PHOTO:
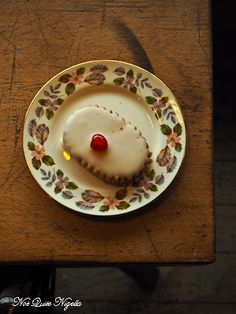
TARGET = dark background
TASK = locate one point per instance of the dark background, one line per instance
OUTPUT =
(224, 71)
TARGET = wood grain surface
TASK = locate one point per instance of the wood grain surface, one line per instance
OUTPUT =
(170, 38)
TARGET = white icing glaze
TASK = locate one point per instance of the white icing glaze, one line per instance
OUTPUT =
(127, 150)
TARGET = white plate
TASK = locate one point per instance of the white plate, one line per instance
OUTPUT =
(135, 94)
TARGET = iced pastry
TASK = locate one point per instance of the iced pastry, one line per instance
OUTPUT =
(106, 144)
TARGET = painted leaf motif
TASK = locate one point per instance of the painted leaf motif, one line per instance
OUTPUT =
(59, 173)
(64, 78)
(153, 187)
(171, 164)
(44, 178)
(91, 196)
(84, 205)
(157, 92)
(95, 78)
(173, 118)
(43, 172)
(165, 129)
(130, 73)
(133, 89)
(148, 85)
(139, 75)
(146, 195)
(39, 112)
(133, 199)
(164, 99)
(67, 195)
(118, 81)
(59, 101)
(31, 146)
(80, 71)
(178, 129)
(49, 114)
(123, 205)
(103, 208)
(36, 163)
(159, 179)
(120, 71)
(165, 111)
(70, 88)
(42, 133)
(164, 156)
(151, 174)
(140, 191)
(46, 93)
(57, 189)
(121, 194)
(53, 178)
(178, 147)
(57, 86)
(71, 186)
(42, 102)
(99, 68)
(150, 100)
(32, 127)
(54, 89)
(48, 160)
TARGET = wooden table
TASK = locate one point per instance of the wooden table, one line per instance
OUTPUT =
(170, 38)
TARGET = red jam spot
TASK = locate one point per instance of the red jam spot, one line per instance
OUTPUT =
(98, 143)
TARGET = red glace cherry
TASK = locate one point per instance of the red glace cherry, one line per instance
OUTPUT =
(98, 143)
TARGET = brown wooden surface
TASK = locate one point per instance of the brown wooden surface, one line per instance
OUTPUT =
(41, 38)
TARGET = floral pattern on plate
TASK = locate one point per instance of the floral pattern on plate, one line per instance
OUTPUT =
(52, 98)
